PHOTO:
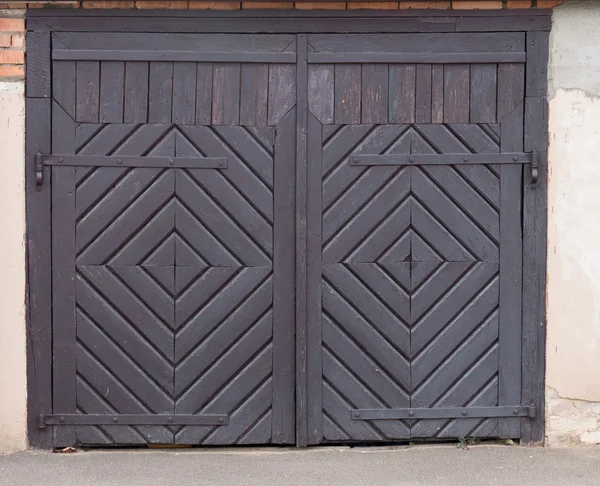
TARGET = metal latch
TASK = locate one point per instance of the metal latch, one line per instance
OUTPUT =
(535, 160)
(39, 171)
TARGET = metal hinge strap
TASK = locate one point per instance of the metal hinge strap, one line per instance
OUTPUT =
(535, 160)
(132, 419)
(442, 413)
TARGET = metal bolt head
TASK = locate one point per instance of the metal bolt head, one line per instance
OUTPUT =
(221, 420)
(115, 419)
(62, 419)
(60, 160)
(464, 412)
(171, 160)
(357, 414)
(170, 420)
(411, 414)
(515, 158)
(515, 411)
(466, 159)
(119, 161)
(221, 164)
(411, 159)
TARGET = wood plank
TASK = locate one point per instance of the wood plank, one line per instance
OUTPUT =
(254, 96)
(483, 93)
(88, 91)
(112, 86)
(347, 93)
(423, 94)
(283, 413)
(437, 94)
(321, 92)
(313, 285)
(375, 93)
(160, 98)
(136, 92)
(39, 277)
(184, 93)
(204, 83)
(537, 64)
(282, 91)
(410, 57)
(534, 270)
(301, 243)
(226, 94)
(402, 93)
(63, 300)
(511, 88)
(456, 93)
(184, 56)
(63, 85)
(38, 65)
(511, 273)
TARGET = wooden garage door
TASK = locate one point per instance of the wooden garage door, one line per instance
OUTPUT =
(414, 237)
(172, 274)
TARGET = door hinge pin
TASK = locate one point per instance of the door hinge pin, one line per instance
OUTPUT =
(39, 171)
(41, 421)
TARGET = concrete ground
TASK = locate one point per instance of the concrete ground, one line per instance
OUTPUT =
(417, 465)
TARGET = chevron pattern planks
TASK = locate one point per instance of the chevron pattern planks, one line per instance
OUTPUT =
(174, 284)
(410, 280)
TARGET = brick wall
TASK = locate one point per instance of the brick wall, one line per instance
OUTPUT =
(12, 37)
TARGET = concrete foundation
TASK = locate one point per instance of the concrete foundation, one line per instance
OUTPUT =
(573, 364)
(13, 383)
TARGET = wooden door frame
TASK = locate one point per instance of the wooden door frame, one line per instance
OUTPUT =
(41, 23)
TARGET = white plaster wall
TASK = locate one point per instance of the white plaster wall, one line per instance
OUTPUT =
(13, 391)
(573, 293)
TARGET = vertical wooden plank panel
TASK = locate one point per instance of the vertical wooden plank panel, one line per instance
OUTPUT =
(437, 93)
(320, 91)
(112, 81)
(38, 64)
(184, 93)
(402, 93)
(283, 420)
(39, 304)
(204, 82)
(136, 92)
(63, 85)
(534, 269)
(301, 279)
(226, 94)
(64, 396)
(255, 91)
(314, 337)
(511, 273)
(423, 94)
(456, 93)
(88, 91)
(511, 88)
(374, 93)
(483, 93)
(347, 93)
(160, 98)
(537, 62)
(282, 91)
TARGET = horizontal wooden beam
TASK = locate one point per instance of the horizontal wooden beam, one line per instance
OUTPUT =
(418, 57)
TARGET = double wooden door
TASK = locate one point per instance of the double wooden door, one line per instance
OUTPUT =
(286, 238)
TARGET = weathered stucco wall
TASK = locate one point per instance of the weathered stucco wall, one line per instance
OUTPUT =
(573, 352)
(12, 268)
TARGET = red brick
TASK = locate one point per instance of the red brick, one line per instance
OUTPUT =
(265, 5)
(477, 5)
(12, 57)
(321, 6)
(424, 5)
(172, 5)
(549, 3)
(18, 40)
(12, 71)
(12, 25)
(518, 4)
(4, 40)
(373, 5)
(108, 4)
(214, 5)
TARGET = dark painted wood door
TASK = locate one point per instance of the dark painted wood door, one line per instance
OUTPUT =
(172, 269)
(415, 232)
